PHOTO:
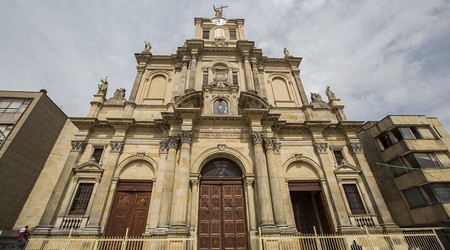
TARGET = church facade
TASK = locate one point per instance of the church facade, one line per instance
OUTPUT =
(216, 141)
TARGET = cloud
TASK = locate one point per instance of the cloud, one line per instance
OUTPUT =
(380, 57)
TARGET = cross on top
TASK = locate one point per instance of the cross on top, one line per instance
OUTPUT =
(219, 10)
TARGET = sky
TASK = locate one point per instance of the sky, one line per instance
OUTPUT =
(380, 57)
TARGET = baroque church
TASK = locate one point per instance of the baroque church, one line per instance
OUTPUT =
(215, 141)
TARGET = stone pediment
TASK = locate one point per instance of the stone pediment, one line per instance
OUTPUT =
(90, 166)
(250, 101)
(346, 168)
(190, 100)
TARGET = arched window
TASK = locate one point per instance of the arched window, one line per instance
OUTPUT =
(221, 167)
(220, 107)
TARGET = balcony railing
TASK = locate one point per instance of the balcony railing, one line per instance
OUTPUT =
(363, 221)
(71, 222)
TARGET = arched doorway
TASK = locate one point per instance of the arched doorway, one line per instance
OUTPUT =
(222, 215)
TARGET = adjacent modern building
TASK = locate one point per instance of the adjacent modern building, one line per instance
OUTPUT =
(215, 141)
(30, 124)
(409, 156)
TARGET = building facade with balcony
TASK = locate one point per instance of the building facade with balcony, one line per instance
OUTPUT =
(30, 124)
(215, 141)
(409, 156)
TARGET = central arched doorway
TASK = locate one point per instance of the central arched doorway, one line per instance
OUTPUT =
(222, 215)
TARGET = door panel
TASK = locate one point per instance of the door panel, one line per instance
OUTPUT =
(222, 221)
(129, 210)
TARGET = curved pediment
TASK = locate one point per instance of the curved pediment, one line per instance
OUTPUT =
(190, 100)
(90, 166)
(249, 100)
(346, 168)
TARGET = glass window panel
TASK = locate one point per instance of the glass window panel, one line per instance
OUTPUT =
(414, 197)
(354, 199)
(221, 167)
(4, 103)
(232, 34)
(438, 192)
(220, 107)
(81, 199)
(407, 133)
(338, 156)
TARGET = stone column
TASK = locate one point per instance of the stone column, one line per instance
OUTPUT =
(137, 82)
(372, 186)
(182, 84)
(255, 77)
(98, 205)
(157, 190)
(301, 89)
(248, 75)
(178, 216)
(54, 203)
(193, 69)
(167, 189)
(262, 184)
(251, 204)
(341, 216)
(275, 189)
(194, 207)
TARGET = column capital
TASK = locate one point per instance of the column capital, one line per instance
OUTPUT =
(185, 63)
(163, 147)
(78, 145)
(321, 147)
(357, 148)
(249, 182)
(246, 58)
(296, 72)
(268, 143)
(194, 57)
(173, 142)
(140, 68)
(186, 136)
(194, 182)
(257, 137)
(116, 146)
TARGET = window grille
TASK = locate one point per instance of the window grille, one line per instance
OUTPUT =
(81, 199)
(354, 199)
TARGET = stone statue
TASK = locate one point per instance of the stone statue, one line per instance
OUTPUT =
(286, 53)
(147, 47)
(103, 87)
(330, 93)
(315, 97)
(218, 11)
(119, 94)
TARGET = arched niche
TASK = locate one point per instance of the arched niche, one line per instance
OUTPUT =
(220, 168)
(303, 168)
(138, 169)
(222, 151)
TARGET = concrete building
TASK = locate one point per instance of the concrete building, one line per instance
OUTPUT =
(30, 123)
(214, 141)
(409, 156)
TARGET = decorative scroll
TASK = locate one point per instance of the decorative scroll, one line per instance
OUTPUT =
(78, 145)
(321, 147)
(116, 146)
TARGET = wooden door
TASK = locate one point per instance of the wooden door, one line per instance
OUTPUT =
(130, 209)
(222, 220)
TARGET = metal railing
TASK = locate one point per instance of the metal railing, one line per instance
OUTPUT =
(414, 240)
(407, 240)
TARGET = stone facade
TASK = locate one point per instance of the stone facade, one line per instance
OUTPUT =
(215, 141)
(409, 156)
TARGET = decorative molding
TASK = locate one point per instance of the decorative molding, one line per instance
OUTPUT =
(116, 146)
(321, 147)
(140, 155)
(173, 142)
(249, 182)
(75, 179)
(78, 145)
(298, 156)
(276, 147)
(357, 148)
(257, 137)
(98, 179)
(221, 147)
(186, 136)
(194, 183)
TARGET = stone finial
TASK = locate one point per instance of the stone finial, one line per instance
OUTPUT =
(330, 93)
(147, 47)
(286, 53)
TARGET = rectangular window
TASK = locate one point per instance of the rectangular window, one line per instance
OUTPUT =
(438, 192)
(406, 133)
(354, 199)
(384, 141)
(205, 34)
(423, 160)
(97, 154)
(414, 197)
(13, 105)
(5, 129)
(338, 156)
(205, 78)
(235, 78)
(233, 34)
(81, 199)
(397, 167)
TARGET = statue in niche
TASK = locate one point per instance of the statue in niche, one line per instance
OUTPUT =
(220, 78)
(103, 86)
(330, 93)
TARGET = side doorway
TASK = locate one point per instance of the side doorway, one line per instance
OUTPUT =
(130, 208)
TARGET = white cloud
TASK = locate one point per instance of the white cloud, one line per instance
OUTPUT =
(380, 57)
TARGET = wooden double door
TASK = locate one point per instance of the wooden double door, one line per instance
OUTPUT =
(130, 208)
(222, 215)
